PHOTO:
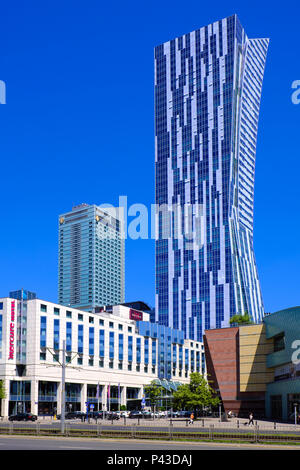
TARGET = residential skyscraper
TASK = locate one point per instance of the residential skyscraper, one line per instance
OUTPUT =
(207, 98)
(91, 257)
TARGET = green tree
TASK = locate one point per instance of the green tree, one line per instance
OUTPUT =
(2, 392)
(196, 395)
(153, 393)
(241, 319)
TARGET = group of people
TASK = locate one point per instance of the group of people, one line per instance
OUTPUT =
(230, 414)
(251, 417)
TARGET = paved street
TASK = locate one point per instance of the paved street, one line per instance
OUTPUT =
(114, 445)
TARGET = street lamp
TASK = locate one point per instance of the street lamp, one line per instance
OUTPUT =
(295, 411)
(63, 389)
(63, 365)
(220, 405)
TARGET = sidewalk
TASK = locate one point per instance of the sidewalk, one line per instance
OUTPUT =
(232, 423)
(243, 423)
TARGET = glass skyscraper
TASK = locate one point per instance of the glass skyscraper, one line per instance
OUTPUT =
(207, 98)
(91, 257)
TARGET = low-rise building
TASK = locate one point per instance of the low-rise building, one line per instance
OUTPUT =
(283, 392)
(256, 368)
(110, 356)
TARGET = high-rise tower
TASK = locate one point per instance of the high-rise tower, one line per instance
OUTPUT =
(207, 97)
(91, 257)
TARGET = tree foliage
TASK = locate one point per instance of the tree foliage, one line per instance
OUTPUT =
(2, 390)
(196, 395)
(153, 392)
(241, 319)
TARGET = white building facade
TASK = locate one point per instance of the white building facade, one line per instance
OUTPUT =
(109, 356)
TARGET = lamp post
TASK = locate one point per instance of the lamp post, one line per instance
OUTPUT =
(97, 395)
(220, 405)
(63, 382)
(63, 388)
(295, 412)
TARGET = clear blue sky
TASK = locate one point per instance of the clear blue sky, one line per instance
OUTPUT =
(78, 127)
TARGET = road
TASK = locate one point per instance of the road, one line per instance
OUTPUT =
(12, 443)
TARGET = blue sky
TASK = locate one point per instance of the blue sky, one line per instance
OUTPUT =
(78, 127)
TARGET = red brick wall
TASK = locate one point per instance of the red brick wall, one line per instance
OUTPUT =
(223, 369)
(221, 349)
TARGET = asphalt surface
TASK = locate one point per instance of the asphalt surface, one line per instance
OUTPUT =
(25, 443)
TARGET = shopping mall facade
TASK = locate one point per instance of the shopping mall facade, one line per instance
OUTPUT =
(256, 368)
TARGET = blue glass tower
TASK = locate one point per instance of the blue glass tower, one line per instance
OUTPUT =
(207, 97)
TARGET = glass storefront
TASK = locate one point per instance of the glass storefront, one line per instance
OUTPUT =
(92, 397)
(276, 406)
(19, 397)
(293, 402)
(47, 398)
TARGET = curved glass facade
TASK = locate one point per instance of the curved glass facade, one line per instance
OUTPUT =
(207, 97)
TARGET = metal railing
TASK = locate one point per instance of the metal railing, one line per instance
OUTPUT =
(165, 429)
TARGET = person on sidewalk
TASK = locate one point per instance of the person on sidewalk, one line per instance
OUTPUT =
(191, 419)
(251, 419)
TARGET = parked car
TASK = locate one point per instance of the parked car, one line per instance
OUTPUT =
(135, 414)
(173, 414)
(96, 414)
(23, 417)
(104, 414)
(78, 414)
(112, 415)
(72, 415)
(140, 414)
(184, 414)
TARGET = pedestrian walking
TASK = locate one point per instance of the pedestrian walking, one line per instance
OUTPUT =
(251, 419)
(191, 419)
